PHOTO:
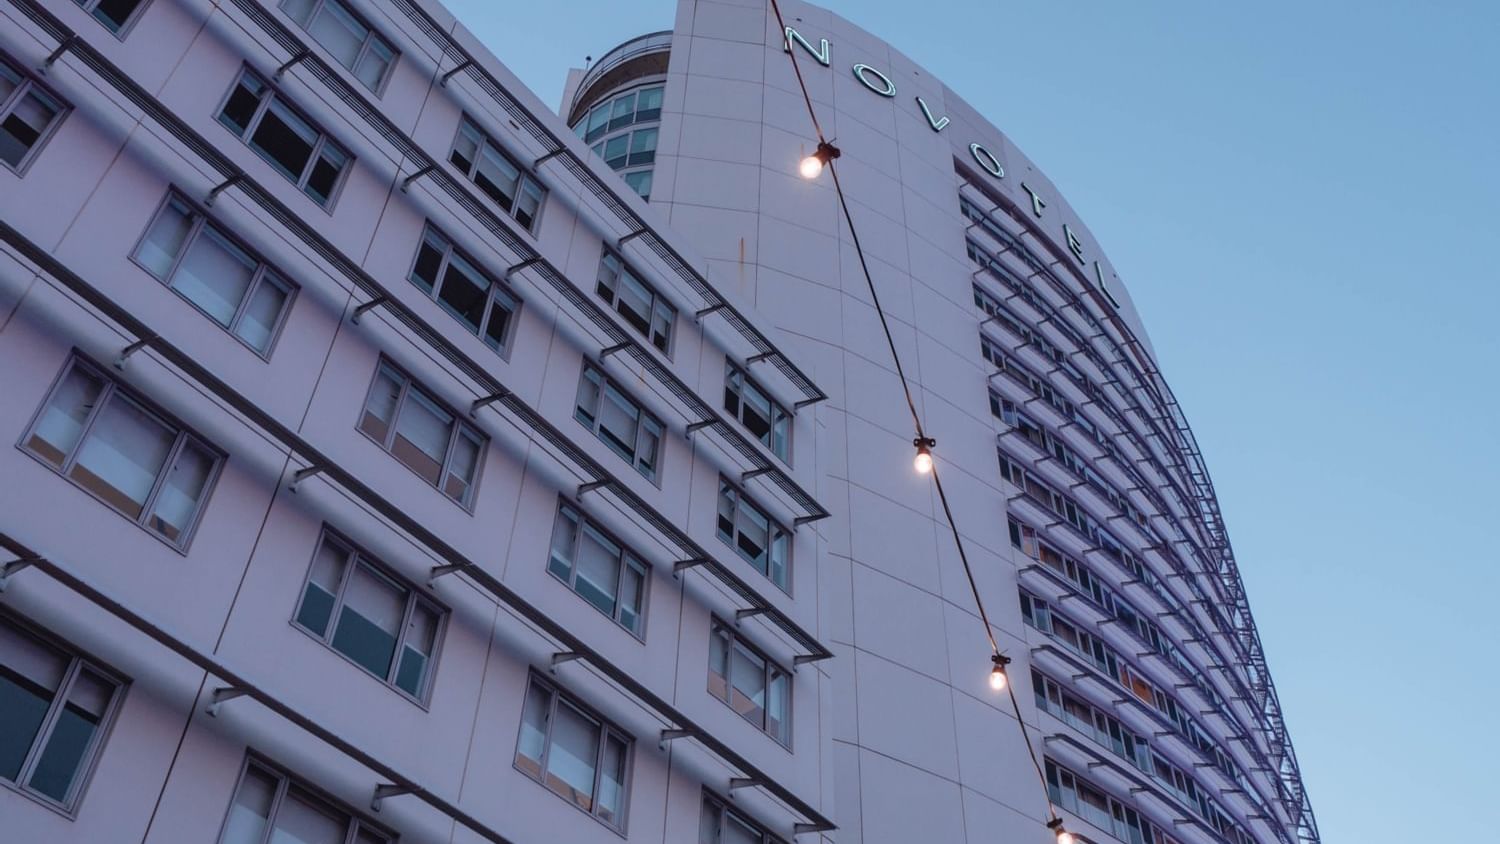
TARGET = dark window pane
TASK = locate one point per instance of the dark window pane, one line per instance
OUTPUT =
(497, 324)
(325, 173)
(464, 292)
(416, 651)
(429, 261)
(285, 139)
(242, 104)
(24, 126)
(63, 756)
(114, 13)
(370, 621)
(322, 587)
(30, 672)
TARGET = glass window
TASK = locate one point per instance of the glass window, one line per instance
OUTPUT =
(721, 824)
(301, 151)
(601, 570)
(125, 454)
(618, 421)
(640, 182)
(28, 112)
(114, 14)
(483, 162)
(351, 41)
(576, 755)
(642, 147)
(485, 307)
(223, 280)
(424, 435)
(272, 808)
(761, 415)
(636, 301)
(54, 706)
(754, 686)
(745, 527)
(380, 622)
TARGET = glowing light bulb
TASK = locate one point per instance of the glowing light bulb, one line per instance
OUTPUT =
(997, 679)
(812, 165)
(1065, 837)
(923, 461)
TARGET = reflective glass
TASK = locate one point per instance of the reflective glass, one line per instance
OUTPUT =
(61, 423)
(123, 455)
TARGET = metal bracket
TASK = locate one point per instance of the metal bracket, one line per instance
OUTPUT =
(515, 268)
(803, 659)
(609, 350)
(221, 694)
(751, 612)
(221, 187)
(290, 63)
(805, 402)
(671, 735)
(13, 567)
(698, 426)
(303, 474)
(632, 236)
(132, 349)
(564, 656)
(755, 473)
(56, 54)
(450, 74)
(703, 312)
(803, 828)
(367, 307)
(406, 182)
(388, 790)
(802, 520)
(683, 565)
(754, 359)
(487, 400)
(736, 783)
(439, 571)
(549, 156)
(591, 486)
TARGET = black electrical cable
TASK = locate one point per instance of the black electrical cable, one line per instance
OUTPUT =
(911, 405)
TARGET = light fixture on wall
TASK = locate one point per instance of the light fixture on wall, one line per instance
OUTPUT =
(923, 461)
(998, 679)
(814, 164)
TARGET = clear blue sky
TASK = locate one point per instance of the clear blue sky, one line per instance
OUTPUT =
(1304, 200)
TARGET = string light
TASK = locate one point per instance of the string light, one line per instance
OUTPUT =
(813, 165)
(997, 674)
(923, 461)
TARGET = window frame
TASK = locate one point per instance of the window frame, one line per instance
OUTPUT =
(285, 779)
(88, 7)
(524, 174)
(496, 288)
(364, 48)
(273, 93)
(7, 106)
(721, 808)
(558, 696)
(741, 499)
(415, 596)
(658, 302)
(642, 415)
(718, 626)
(627, 555)
(408, 383)
(731, 369)
(201, 220)
(77, 661)
(181, 438)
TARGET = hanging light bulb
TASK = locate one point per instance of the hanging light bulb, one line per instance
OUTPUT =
(813, 164)
(1063, 836)
(923, 461)
(998, 680)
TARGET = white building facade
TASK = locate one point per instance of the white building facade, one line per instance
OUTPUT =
(397, 460)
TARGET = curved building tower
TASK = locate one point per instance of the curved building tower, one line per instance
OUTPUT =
(1084, 504)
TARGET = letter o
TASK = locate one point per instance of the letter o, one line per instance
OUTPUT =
(889, 90)
(987, 160)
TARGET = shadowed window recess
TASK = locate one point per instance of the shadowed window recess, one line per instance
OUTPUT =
(483, 162)
(745, 527)
(54, 711)
(761, 415)
(599, 568)
(379, 621)
(754, 686)
(617, 420)
(292, 144)
(272, 808)
(410, 424)
(124, 453)
(351, 41)
(206, 266)
(486, 307)
(577, 755)
(28, 114)
(635, 300)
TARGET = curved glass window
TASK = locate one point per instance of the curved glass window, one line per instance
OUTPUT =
(617, 131)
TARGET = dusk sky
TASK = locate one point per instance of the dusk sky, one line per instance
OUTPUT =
(1303, 199)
